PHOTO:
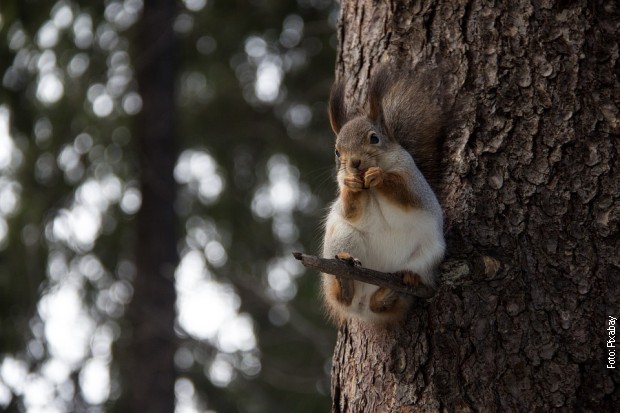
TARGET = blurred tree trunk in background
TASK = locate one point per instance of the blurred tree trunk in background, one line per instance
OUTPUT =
(75, 150)
(532, 208)
(149, 372)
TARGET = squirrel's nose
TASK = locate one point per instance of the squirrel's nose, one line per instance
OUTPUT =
(355, 163)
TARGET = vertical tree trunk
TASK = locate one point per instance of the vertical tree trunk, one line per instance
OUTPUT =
(149, 372)
(532, 191)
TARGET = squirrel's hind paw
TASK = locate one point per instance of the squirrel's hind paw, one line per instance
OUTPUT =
(411, 278)
(383, 300)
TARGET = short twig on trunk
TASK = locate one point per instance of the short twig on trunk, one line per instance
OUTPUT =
(346, 269)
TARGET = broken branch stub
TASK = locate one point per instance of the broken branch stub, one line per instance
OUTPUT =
(347, 269)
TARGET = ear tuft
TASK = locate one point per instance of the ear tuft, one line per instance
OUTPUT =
(379, 85)
(337, 108)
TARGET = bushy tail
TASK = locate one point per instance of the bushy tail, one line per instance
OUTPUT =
(412, 110)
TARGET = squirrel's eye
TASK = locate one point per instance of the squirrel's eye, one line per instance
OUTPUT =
(337, 153)
(374, 139)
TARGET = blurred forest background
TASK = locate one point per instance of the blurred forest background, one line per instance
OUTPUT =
(253, 171)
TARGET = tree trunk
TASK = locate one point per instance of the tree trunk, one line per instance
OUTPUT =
(531, 198)
(148, 367)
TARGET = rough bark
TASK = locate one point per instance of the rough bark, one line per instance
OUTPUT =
(148, 365)
(532, 187)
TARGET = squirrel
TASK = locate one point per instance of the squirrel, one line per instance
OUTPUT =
(386, 215)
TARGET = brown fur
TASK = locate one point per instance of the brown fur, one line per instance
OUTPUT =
(391, 185)
(411, 278)
(396, 190)
(391, 306)
(353, 203)
(343, 290)
(340, 291)
(383, 300)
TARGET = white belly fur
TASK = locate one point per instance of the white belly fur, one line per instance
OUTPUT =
(397, 239)
(389, 239)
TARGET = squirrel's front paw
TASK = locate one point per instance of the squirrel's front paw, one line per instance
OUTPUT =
(349, 259)
(354, 182)
(373, 177)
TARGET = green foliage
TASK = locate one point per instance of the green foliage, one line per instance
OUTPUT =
(253, 175)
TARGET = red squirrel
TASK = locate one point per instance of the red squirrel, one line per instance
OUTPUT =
(386, 216)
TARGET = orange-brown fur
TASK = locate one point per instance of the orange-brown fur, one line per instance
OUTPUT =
(344, 290)
(411, 278)
(395, 189)
(391, 185)
(353, 203)
(390, 305)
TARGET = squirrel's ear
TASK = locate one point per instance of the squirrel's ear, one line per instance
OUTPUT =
(378, 87)
(337, 108)
(381, 97)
